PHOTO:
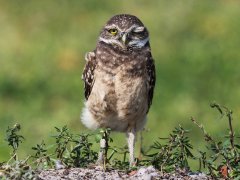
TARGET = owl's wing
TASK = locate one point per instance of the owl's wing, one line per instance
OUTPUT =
(150, 80)
(88, 73)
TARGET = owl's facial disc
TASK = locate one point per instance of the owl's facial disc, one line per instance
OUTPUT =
(133, 37)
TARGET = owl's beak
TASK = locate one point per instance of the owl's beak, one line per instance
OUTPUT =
(124, 38)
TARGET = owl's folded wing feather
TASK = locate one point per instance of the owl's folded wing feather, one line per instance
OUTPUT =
(151, 80)
(88, 73)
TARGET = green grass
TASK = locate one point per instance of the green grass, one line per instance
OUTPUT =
(42, 45)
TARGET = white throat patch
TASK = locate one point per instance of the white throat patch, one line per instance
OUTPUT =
(111, 41)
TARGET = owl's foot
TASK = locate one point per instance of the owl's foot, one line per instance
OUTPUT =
(132, 165)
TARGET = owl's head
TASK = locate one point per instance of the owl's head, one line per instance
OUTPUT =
(125, 31)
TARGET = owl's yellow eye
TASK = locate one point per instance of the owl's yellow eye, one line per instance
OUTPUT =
(113, 31)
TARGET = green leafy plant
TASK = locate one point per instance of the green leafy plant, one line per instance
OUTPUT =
(174, 153)
(73, 150)
(221, 160)
(42, 158)
(15, 168)
(122, 164)
(81, 154)
(14, 139)
(225, 158)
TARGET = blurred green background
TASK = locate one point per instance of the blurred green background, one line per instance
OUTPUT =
(196, 46)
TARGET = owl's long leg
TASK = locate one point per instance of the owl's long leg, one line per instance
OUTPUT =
(101, 153)
(131, 136)
(102, 156)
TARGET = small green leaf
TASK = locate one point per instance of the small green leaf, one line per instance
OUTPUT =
(98, 137)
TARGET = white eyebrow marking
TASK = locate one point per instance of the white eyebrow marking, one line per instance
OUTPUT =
(138, 29)
(129, 29)
(112, 27)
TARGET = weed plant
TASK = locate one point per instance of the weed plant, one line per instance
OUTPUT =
(170, 154)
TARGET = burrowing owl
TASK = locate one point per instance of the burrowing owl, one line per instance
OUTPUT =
(119, 78)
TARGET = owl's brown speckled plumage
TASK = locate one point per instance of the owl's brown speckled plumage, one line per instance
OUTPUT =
(119, 78)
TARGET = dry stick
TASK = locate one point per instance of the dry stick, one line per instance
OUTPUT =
(230, 119)
(14, 156)
(40, 159)
(229, 115)
(206, 135)
(168, 150)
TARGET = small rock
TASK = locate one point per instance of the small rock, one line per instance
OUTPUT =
(59, 164)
